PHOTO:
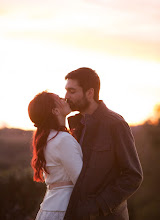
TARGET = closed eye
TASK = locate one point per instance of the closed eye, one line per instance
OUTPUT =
(71, 90)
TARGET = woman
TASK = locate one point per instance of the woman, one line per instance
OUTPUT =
(57, 156)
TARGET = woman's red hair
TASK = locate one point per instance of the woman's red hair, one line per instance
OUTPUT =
(40, 113)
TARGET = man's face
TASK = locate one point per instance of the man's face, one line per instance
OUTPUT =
(75, 96)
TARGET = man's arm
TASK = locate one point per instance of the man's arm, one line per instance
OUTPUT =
(130, 176)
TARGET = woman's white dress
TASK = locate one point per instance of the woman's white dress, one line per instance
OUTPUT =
(64, 162)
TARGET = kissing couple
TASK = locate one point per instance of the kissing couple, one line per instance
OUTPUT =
(91, 169)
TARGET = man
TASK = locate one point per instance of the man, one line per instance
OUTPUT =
(111, 170)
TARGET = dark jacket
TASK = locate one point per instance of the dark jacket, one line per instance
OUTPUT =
(111, 170)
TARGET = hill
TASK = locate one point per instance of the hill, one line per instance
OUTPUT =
(15, 148)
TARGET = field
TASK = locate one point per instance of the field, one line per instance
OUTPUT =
(20, 196)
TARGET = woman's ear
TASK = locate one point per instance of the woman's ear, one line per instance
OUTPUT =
(55, 111)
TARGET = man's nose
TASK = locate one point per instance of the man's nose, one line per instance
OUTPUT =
(66, 95)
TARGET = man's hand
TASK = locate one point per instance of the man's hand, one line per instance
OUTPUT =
(87, 210)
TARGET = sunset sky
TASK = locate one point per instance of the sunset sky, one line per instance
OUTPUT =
(41, 41)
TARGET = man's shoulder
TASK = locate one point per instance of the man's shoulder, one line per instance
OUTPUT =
(114, 120)
(74, 119)
(114, 116)
(109, 115)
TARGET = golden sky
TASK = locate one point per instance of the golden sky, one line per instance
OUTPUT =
(41, 41)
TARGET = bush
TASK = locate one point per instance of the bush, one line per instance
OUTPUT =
(20, 196)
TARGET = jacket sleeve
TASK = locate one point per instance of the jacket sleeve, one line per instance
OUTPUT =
(130, 176)
(70, 155)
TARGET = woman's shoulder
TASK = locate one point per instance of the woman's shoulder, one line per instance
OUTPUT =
(66, 139)
(66, 136)
(58, 136)
(56, 139)
(62, 142)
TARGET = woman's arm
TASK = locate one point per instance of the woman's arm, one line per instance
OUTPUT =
(71, 156)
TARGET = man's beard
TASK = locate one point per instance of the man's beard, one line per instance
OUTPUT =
(80, 106)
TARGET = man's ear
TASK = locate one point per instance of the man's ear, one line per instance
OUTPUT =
(90, 93)
(55, 111)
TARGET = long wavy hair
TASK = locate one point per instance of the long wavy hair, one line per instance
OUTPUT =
(40, 113)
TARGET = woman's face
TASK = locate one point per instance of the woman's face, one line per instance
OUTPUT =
(62, 105)
(65, 110)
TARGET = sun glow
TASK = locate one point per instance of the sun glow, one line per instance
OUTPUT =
(30, 67)
(40, 45)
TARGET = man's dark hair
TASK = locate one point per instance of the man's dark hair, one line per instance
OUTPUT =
(87, 78)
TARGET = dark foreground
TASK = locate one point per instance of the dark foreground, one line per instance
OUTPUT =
(20, 196)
